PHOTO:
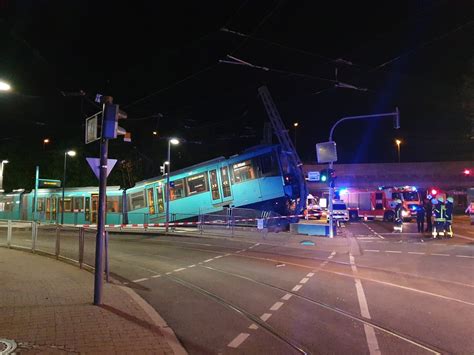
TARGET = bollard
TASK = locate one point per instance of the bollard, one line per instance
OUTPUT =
(34, 236)
(9, 233)
(58, 241)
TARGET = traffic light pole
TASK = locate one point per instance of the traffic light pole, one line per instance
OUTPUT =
(396, 124)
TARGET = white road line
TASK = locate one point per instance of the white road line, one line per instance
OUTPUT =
(193, 265)
(156, 276)
(276, 306)
(311, 274)
(378, 235)
(364, 311)
(304, 280)
(253, 326)
(296, 288)
(257, 244)
(393, 251)
(333, 253)
(436, 254)
(324, 264)
(218, 257)
(287, 296)
(141, 280)
(206, 261)
(462, 236)
(227, 254)
(238, 251)
(372, 250)
(465, 256)
(265, 316)
(180, 269)
(168, 273)
(416, 253)
(239, 339)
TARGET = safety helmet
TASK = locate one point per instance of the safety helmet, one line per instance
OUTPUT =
(434, 201)
(450, 199)
(397, 200)
(441, 199)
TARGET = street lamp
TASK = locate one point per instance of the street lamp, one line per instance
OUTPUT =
(1, 172)
(398, 142)
(71, 153)
(295, 125)
(45, 141)
(173, 141)
(4, 86)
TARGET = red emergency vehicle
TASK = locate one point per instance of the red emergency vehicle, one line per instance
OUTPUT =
(378, 204)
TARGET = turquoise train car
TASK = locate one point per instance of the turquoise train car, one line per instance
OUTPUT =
(258, 178)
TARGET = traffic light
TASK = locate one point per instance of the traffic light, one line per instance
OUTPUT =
(323, 175)
(110, 127)
(328, 176)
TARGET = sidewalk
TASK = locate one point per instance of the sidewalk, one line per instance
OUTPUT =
(46, 308)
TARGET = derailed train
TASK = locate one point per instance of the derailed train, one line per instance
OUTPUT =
(258, 178)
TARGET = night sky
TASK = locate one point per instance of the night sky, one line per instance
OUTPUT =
(160, 62)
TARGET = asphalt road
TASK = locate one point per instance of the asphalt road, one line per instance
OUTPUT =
(387, 293)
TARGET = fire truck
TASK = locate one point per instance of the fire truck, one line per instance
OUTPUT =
(378, 204)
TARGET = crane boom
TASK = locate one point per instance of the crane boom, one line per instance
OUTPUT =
(294, 162)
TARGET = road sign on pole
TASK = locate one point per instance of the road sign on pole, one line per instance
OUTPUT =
(94, 163)
(92, 128)
(326, 152)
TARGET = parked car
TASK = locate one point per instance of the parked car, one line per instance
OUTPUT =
(340, 212)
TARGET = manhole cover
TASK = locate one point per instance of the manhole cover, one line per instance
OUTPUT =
(7, 346)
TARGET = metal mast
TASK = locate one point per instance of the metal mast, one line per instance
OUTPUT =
(295, 164)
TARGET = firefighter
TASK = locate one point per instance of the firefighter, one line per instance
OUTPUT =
(420, 218)
(429, 214)
(438, 214)
(448, 225)
(398, 216)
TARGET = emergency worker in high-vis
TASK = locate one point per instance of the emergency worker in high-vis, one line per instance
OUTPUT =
(448, 225)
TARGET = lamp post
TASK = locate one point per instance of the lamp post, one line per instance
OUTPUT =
(295, 125)
(173, 141)
(398, 142)
(45, 141)
(4, 86)
(1, 172)
(71, 153)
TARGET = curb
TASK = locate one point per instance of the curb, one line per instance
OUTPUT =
(168, 333)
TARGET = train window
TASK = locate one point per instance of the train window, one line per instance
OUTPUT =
(67, 204)
(136, 200)
(78, 204)
(40, 204)
(161, 201)
(114, 203)
(177, 189)
(243, 171)
(87, 209)
(8, 204)
(197, 184)
(268, 165)
(225, 181)
(151, 200)
(214, 185)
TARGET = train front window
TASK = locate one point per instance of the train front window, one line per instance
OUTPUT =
(197, 184)
(268, 165)
(225, 181)
(67, 204)
(177, 190)
(243, 171)
(410, 196)
(137, 200)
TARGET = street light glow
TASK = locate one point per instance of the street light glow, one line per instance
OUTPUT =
(174, 141)
(46, 140)
(4, 86)
(296, 124)
(71, 153)
(166, 163)
(5, 161)
(398, 141)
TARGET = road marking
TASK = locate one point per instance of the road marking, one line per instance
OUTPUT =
(238, 251)
(372, 250)
(416, 253)
(206, 261)
(304, 280)
(332, 255)
(393, 251)
(227, 254)
(193, 265)
(364, 311)
(311, 274)
(265, 316)
(287, 296)
(296, 288)
(156, 276)
(276, 306)
(180, 269)
(168, 273)
(218, 257)
(141, 280)
(239, 339)
(462, 236)
(253, 326)
(436, 254)
(465, 256)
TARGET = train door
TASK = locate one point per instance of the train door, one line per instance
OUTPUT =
(160, 200)
(151, 203)
(225, 184)
(216, 193)
(51, 213)
(94, 208)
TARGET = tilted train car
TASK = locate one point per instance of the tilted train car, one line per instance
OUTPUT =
(256, 179)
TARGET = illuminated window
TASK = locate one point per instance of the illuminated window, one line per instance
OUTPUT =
(243, 171)
(40, 204)
(225, 181)
(197, 184)
(177, 189)
(161, 201)
(214, 185)
(78, 204)
(151, 201)
(67, 204)
(114, 203)
(136, 200)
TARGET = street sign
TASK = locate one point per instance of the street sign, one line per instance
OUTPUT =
(92, 128)
(326, 152)
(94, 163)
(48, 183)
(313, 176)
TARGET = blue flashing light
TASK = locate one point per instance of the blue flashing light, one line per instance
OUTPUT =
(343, 191)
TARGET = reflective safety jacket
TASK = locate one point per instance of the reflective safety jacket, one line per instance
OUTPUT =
(449, 211)
(398, 213)
(439, 213)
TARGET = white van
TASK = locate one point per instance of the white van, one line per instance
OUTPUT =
(340, 212)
